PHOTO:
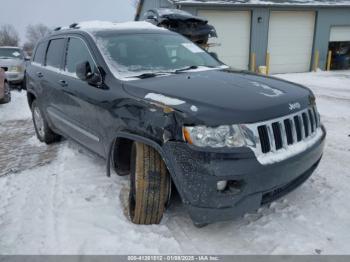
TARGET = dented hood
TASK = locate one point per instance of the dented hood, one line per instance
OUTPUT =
(223, 97)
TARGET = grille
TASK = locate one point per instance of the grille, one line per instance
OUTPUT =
(279, 134)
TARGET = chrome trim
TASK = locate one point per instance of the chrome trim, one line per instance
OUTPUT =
(250, 131)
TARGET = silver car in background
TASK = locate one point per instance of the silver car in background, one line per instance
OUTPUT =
(13, 62)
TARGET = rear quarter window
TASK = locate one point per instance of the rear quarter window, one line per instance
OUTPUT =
(54, 56)
(40, 52)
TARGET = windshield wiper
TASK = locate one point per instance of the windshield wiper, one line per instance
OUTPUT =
(186, 69)
(148, 75)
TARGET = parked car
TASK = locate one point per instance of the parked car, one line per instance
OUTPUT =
(13, 61)
(162, 110)
(5, 93)
(193, 27)
(341, 55)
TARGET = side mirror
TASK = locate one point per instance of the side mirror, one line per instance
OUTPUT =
(87, 74)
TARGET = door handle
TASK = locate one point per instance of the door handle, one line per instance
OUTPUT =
(39, 74)
(63, 83)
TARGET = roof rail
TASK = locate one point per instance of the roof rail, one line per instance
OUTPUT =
(74, 25)
(57, 28)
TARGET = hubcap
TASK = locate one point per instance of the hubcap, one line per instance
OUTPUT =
(39, 122)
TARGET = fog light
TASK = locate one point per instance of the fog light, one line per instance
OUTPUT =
(221, 185)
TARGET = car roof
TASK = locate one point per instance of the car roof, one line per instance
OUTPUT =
(104, 26)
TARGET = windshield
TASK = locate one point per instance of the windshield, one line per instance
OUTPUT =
(131, 55)
(11, 53)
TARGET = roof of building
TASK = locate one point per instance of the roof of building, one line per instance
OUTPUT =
(328, 3)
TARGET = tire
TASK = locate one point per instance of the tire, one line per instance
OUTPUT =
(24, 83)
(42, 129)
(7, 97)
(149, 185)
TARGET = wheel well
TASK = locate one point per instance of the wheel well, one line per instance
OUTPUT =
(122, 155)
(30, 97)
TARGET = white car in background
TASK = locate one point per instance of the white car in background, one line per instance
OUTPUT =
(13, 62)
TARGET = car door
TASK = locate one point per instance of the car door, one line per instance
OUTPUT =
(49, 76)
(79, 104)
(34, 71)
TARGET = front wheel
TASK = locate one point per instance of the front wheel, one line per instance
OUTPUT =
(149, 185)
(42, 129)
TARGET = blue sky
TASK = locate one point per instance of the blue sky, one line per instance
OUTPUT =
(55, 13)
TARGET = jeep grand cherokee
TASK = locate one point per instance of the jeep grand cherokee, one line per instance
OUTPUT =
(160, 109)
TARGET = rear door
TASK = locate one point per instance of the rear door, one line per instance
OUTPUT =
(34, 72)
(50, 76)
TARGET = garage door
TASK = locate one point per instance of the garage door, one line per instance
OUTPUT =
(340, 34)
(233, 30)
(290, 41)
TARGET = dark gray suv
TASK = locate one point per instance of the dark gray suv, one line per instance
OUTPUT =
(163, 111)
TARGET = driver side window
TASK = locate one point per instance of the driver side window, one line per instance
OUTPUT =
(77, 53)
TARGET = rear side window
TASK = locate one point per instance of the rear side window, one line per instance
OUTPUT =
(39, 56)
(77, 53)
(55, 53)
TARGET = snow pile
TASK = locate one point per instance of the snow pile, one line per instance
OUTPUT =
(12, 110)
(267, 2)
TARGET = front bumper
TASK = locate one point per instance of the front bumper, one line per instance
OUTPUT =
(196, 173)
(15, 77)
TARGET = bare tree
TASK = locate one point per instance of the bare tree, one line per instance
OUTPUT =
(8, 35)
(34, 34)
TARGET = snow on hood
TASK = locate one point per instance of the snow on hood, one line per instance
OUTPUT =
(267, 2)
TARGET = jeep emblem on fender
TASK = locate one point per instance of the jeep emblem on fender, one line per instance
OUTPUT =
(294, 106)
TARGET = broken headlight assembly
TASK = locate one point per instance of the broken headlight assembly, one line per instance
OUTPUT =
(229, 136)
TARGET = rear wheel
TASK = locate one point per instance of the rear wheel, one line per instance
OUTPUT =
(7, 94)
(149, 185)
(42, 129)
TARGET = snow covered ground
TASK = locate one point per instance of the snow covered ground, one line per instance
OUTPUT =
(68, 205)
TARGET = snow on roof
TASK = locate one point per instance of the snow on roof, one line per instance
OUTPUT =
(105, 25)
(268, 2)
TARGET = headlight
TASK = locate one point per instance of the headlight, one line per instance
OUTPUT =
(15, 69)
(222, 136)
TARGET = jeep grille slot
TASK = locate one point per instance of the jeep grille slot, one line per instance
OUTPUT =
(289, 133)
(264, 139)
(298, 128)
(277, 135)
(281, 133)
(306, 124)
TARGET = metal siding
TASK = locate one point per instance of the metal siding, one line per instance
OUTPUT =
(259, 35)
